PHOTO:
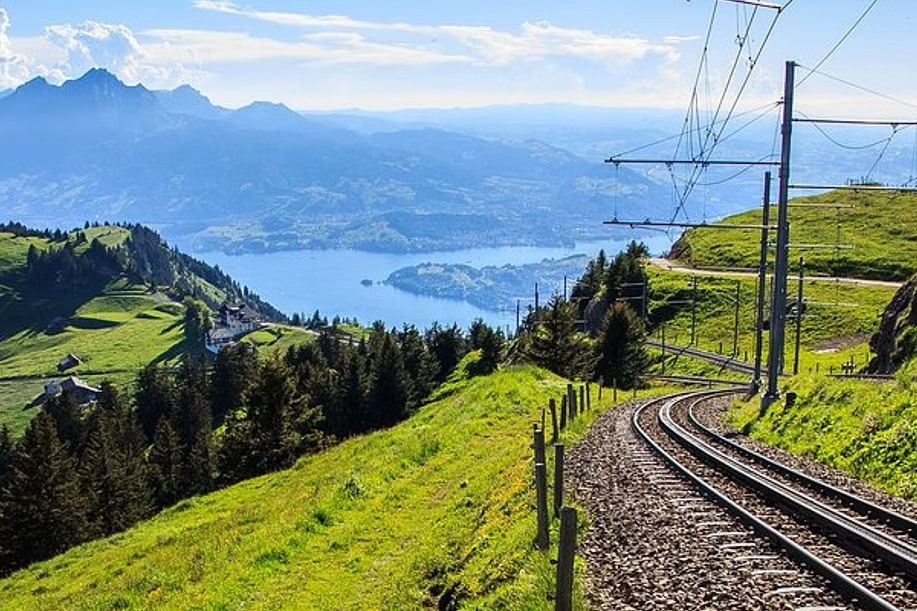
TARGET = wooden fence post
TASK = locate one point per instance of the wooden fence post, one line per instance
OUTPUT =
(601, 386)
(614, 390)
(563, 601)
(538, 436)
(571, 401)
(558, 478)
(582, 398)
(563, 412)
(541, 497)
(552, 405)
(542, 418)
(588, 396)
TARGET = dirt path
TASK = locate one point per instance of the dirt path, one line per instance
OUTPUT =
(671, 266)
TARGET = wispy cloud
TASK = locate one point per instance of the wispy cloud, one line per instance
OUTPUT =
(485, 45)
(214, 47)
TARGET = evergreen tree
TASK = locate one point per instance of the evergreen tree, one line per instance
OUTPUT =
(491, 343)
(67, 417)
(626, 277)
(191, 420)
(420, 366)
(388, 385)
(165, 465)
(271, 406)
(42, 512)
(234, 371)
(7, 452)
(238, 456)
(112, 468)
(620, 352)
(556, 344)
(154, 398)
(197, 321)
(352, 398)
(592, 280)
(448, 346)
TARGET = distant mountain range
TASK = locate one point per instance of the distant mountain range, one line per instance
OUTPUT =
(264, 177)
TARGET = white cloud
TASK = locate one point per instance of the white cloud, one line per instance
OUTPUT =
(486, 45)
(14, 67)
(114, 47)
(210, 47)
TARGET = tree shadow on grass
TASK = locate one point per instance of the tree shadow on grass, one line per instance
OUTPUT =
(37, 309)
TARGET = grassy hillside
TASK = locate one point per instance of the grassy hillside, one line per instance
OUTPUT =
(113, 323)
(437, 511)
(877, 233)
(867, 429)
(838, 320)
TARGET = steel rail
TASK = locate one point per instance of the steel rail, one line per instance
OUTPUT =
(857, 503)
(845, 586)
(893, 553)
(726, 362)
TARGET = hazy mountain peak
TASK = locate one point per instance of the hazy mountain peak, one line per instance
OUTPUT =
(186, 100)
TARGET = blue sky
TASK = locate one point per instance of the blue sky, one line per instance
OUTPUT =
(401, 54)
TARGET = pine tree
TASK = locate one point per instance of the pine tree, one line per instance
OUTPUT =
(112, 468)
(233, 373)
(556, 344)
(7, 452)
(272, 405)
(165, 464)
(420, 366)
(388, 385)
(491, 343)
(154, 398)
(191, 420)
(42, 512)
(349, 414)
(67, 417)
(448, 346)
(620, 353)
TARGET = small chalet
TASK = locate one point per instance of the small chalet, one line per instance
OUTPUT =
(232, 322)
(68, 362)
(82, 392)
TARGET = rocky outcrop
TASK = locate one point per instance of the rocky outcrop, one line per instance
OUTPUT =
(896, 340)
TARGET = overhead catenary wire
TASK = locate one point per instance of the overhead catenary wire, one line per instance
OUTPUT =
(713, 138)
(837, 45)
(862, 88)
(849, 147)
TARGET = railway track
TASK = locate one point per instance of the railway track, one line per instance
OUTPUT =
(859, 551)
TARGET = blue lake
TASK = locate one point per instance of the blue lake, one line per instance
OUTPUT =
(333, 281)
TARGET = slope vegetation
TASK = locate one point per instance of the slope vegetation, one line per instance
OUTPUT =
(867, 234)
(111, 299)
(436, 512)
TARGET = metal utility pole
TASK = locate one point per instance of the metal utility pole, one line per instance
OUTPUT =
(798, 314)
(693, 308)
(735, 326)
(645, 297)
(778, 301)
(762, 281)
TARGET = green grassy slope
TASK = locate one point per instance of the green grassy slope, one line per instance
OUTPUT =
(866, 429)
(877, 231)
(838, 321)
(438, 508)
(114, 326)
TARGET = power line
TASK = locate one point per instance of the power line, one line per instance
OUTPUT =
(838, 43)
(863, 88)
(849, 147)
